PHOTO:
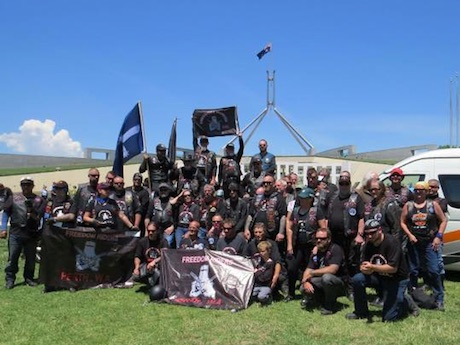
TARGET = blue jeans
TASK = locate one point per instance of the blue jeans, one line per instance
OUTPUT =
(261, 293)
(394, 305)
(422, 257)
(16, 244)
(5, 217)
(180, 231)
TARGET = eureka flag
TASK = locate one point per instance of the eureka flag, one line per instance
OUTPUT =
(130, 140)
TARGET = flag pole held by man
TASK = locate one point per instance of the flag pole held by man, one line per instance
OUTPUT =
(130, 140)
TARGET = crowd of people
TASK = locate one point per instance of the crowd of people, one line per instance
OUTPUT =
(318, 241)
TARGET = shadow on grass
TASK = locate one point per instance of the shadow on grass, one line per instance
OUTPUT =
(453, 276)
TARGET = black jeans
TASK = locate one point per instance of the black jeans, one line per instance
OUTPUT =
(16, 244)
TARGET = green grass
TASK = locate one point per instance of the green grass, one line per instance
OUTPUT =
(124, 316)
(45, 169)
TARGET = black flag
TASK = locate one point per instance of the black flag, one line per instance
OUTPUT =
(172, 143)
(215, 122)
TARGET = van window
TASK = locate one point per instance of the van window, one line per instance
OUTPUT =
(450, 185)
(409, 180)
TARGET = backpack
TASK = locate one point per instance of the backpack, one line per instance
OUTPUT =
(422, 298)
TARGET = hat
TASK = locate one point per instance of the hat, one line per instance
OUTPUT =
(103, 185)
(372, 224)
(396, 171)
(300, 185)
(256, 159)
(137, 176)
(27, 180)
(165, 185)
(422, 185)
(230, 145)
(306, 192)
(61, 185)
(161, 147)
(204, 138)
(220, 193)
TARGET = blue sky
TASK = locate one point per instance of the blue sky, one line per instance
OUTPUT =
(375, 74)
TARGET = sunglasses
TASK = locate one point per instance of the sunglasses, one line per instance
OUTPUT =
(370, 233)
(267, 183)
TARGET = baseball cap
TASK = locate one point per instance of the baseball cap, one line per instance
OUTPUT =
(161, 147)
(396, 171)
(306, 192)
(372, 225)
(27, 180)
(165, 186)
(256, 159)
(230, 145)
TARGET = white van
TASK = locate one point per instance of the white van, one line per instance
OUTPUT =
(443, 165)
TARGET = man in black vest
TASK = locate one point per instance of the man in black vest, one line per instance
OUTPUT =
(26, 211)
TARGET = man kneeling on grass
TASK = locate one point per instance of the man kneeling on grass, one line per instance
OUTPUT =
(382, 265)
(148, 255)
(322, 280)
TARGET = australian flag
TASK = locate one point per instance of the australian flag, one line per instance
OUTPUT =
(130, 140)
(264, 51)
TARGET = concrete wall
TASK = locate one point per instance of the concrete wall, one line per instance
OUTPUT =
(298, 165)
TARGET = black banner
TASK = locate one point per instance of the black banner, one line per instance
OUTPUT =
(83, 258)
(215, 122)
(207, 278)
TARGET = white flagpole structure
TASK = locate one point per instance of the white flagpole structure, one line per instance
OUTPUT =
(141, 113)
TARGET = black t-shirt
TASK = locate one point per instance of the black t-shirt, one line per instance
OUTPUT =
(188, 243)
(104, 210)
(264, 273)
(332, 256)
(236, 245)
(388, 252)
(148, 250)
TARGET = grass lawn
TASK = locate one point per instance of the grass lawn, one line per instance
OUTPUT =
(124, 316)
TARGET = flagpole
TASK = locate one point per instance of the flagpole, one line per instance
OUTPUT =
(139, 104)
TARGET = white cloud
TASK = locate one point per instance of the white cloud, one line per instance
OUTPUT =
(38, 138)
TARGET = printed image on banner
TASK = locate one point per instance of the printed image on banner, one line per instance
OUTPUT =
(207, 278)
(215, 122)
(83, 258)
